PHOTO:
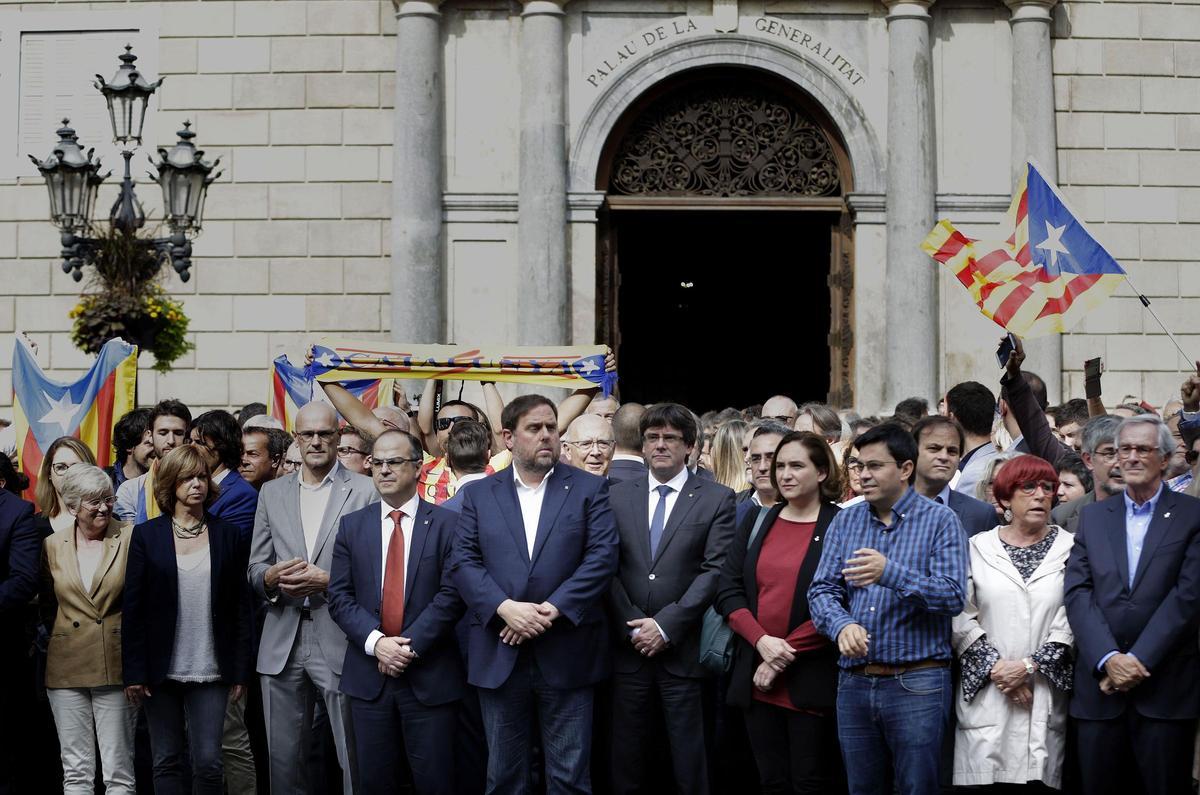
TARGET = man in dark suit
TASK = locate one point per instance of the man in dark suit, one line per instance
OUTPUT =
(536, 551)
(940, 443)
(674, 530)
(627, 462)
(219, 439)
(20, 555)
(1132, 593)
(402, 671)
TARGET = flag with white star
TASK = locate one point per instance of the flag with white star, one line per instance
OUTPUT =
(293, 387)
(45, 409)
(1045, 277)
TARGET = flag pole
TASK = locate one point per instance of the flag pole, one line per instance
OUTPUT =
(1146, 303)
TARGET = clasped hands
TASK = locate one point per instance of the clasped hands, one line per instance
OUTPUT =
(777, 654)
(525, 620)
(646, 636)
(394, 655)
(1012, 679)
(296, 578)
(1122, 672)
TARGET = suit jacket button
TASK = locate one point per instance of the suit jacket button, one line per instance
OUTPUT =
(652, 576)
(377, 611)
(75, 624)
(98, 621)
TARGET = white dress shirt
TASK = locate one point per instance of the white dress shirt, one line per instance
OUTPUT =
(216, 479)
(385, 533)
(313, 502)
(530, 498)
(471, 478)
(676, 483)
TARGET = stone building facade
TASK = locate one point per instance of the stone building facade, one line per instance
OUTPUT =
(744, 181)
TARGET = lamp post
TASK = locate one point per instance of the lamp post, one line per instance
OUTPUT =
(72, 178)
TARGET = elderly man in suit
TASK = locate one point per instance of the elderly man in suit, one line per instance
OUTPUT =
(390, 592)
(301, 651)
(1133, 600)
(940, 443)
(536, 551)
(20, 552)
(674, 530)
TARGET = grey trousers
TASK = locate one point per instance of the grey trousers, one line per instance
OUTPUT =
(236, 756)
(288, 701)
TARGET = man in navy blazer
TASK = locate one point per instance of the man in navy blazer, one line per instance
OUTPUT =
(536, 551)
(1132, 592)
(20, 556)
(403, 679)
(940, 442)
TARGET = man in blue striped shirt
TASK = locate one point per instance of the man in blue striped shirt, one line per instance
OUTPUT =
(892, 575)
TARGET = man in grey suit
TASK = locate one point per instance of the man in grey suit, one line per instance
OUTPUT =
(674, 529)
(301, 651)
(1100, 456)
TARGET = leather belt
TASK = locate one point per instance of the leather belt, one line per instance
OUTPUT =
(879, 669)
(305, 614)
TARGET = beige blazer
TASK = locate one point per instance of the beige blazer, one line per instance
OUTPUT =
(85, 639)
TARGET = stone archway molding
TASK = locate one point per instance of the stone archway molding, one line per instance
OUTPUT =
(728, 49)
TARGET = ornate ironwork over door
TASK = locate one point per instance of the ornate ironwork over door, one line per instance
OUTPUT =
(729, 138)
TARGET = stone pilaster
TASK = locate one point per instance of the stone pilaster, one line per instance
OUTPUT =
(418, 300)
(911, 324)
(543, 275)
(1034, 136)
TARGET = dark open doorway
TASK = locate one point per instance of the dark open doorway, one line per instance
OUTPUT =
(722, 308)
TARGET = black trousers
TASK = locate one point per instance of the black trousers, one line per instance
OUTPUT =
(1135, 754)
(639, 699)
(396, 724)
(795, 751)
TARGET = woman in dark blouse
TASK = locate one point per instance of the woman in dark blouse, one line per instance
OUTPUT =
(784, 673)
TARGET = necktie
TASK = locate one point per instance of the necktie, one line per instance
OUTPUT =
(659, 519)
(392, 610)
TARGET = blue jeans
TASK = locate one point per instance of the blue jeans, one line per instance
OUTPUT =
(200, 708)
(890, 729)
(566, 722)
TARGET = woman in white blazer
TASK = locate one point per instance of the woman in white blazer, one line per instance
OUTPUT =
(1013, 640)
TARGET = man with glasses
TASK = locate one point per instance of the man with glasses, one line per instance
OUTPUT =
(1099, 439)
(1132, 593)
(403, 675)
(169, 423)
(760, 457)
(292, 460)
(782, 409)
(352, 450)
(589, 443)
(674, 528)
(301, 651)
(892, 577)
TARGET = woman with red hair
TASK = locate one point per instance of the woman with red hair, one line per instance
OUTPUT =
(1013, 640)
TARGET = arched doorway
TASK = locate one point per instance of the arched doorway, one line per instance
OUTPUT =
(725, 267)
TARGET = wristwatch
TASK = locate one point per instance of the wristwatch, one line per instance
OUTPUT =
(1030, 668)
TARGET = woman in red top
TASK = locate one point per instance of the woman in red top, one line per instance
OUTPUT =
(784, 673)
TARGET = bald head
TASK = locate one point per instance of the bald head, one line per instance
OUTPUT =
(627, 428)
(316, 412)
(589, 444)
(392, 417)
(781, 408)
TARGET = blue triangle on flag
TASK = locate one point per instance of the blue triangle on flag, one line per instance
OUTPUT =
(1058, 240)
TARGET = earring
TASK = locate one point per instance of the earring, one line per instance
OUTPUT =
(1008, 514)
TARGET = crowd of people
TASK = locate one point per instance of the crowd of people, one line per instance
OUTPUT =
(988, 593)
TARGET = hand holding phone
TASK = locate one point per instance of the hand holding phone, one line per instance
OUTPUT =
(1005, 351)
(1092, 369)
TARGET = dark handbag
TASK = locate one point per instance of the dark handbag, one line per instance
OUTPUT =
(716, 638)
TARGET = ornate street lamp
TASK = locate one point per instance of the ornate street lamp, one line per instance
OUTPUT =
(73, 179)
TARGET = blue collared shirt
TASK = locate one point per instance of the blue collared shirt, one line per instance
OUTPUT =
(1137, 523)
(907, 614)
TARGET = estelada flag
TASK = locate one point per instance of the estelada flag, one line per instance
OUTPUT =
(1048, 274)
(45, 409)
(293, 387)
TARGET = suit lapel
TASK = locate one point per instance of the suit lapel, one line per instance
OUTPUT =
(372, 528)
(291, 511)
(1160, 522)
(505, 490)
(679, 511)
(421, 526)
(641, 519)
(339, 492)
(558, 486)
(70, 563)
(112, 543)
(1116, 537)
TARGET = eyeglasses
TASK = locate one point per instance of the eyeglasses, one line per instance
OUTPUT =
(1030, 487)
(94, 505)
(393, 463)
(663, 438)
(587, 444)
(290, 464)
(445, 423)
(872, 467)
(347, 450)
(1140, 450)
(61, 468)
(1108, 454)
(785, 419)
(308, 436)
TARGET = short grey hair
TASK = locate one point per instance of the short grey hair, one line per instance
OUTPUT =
(1166, 440)
(84, 482)
(1098, 431)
